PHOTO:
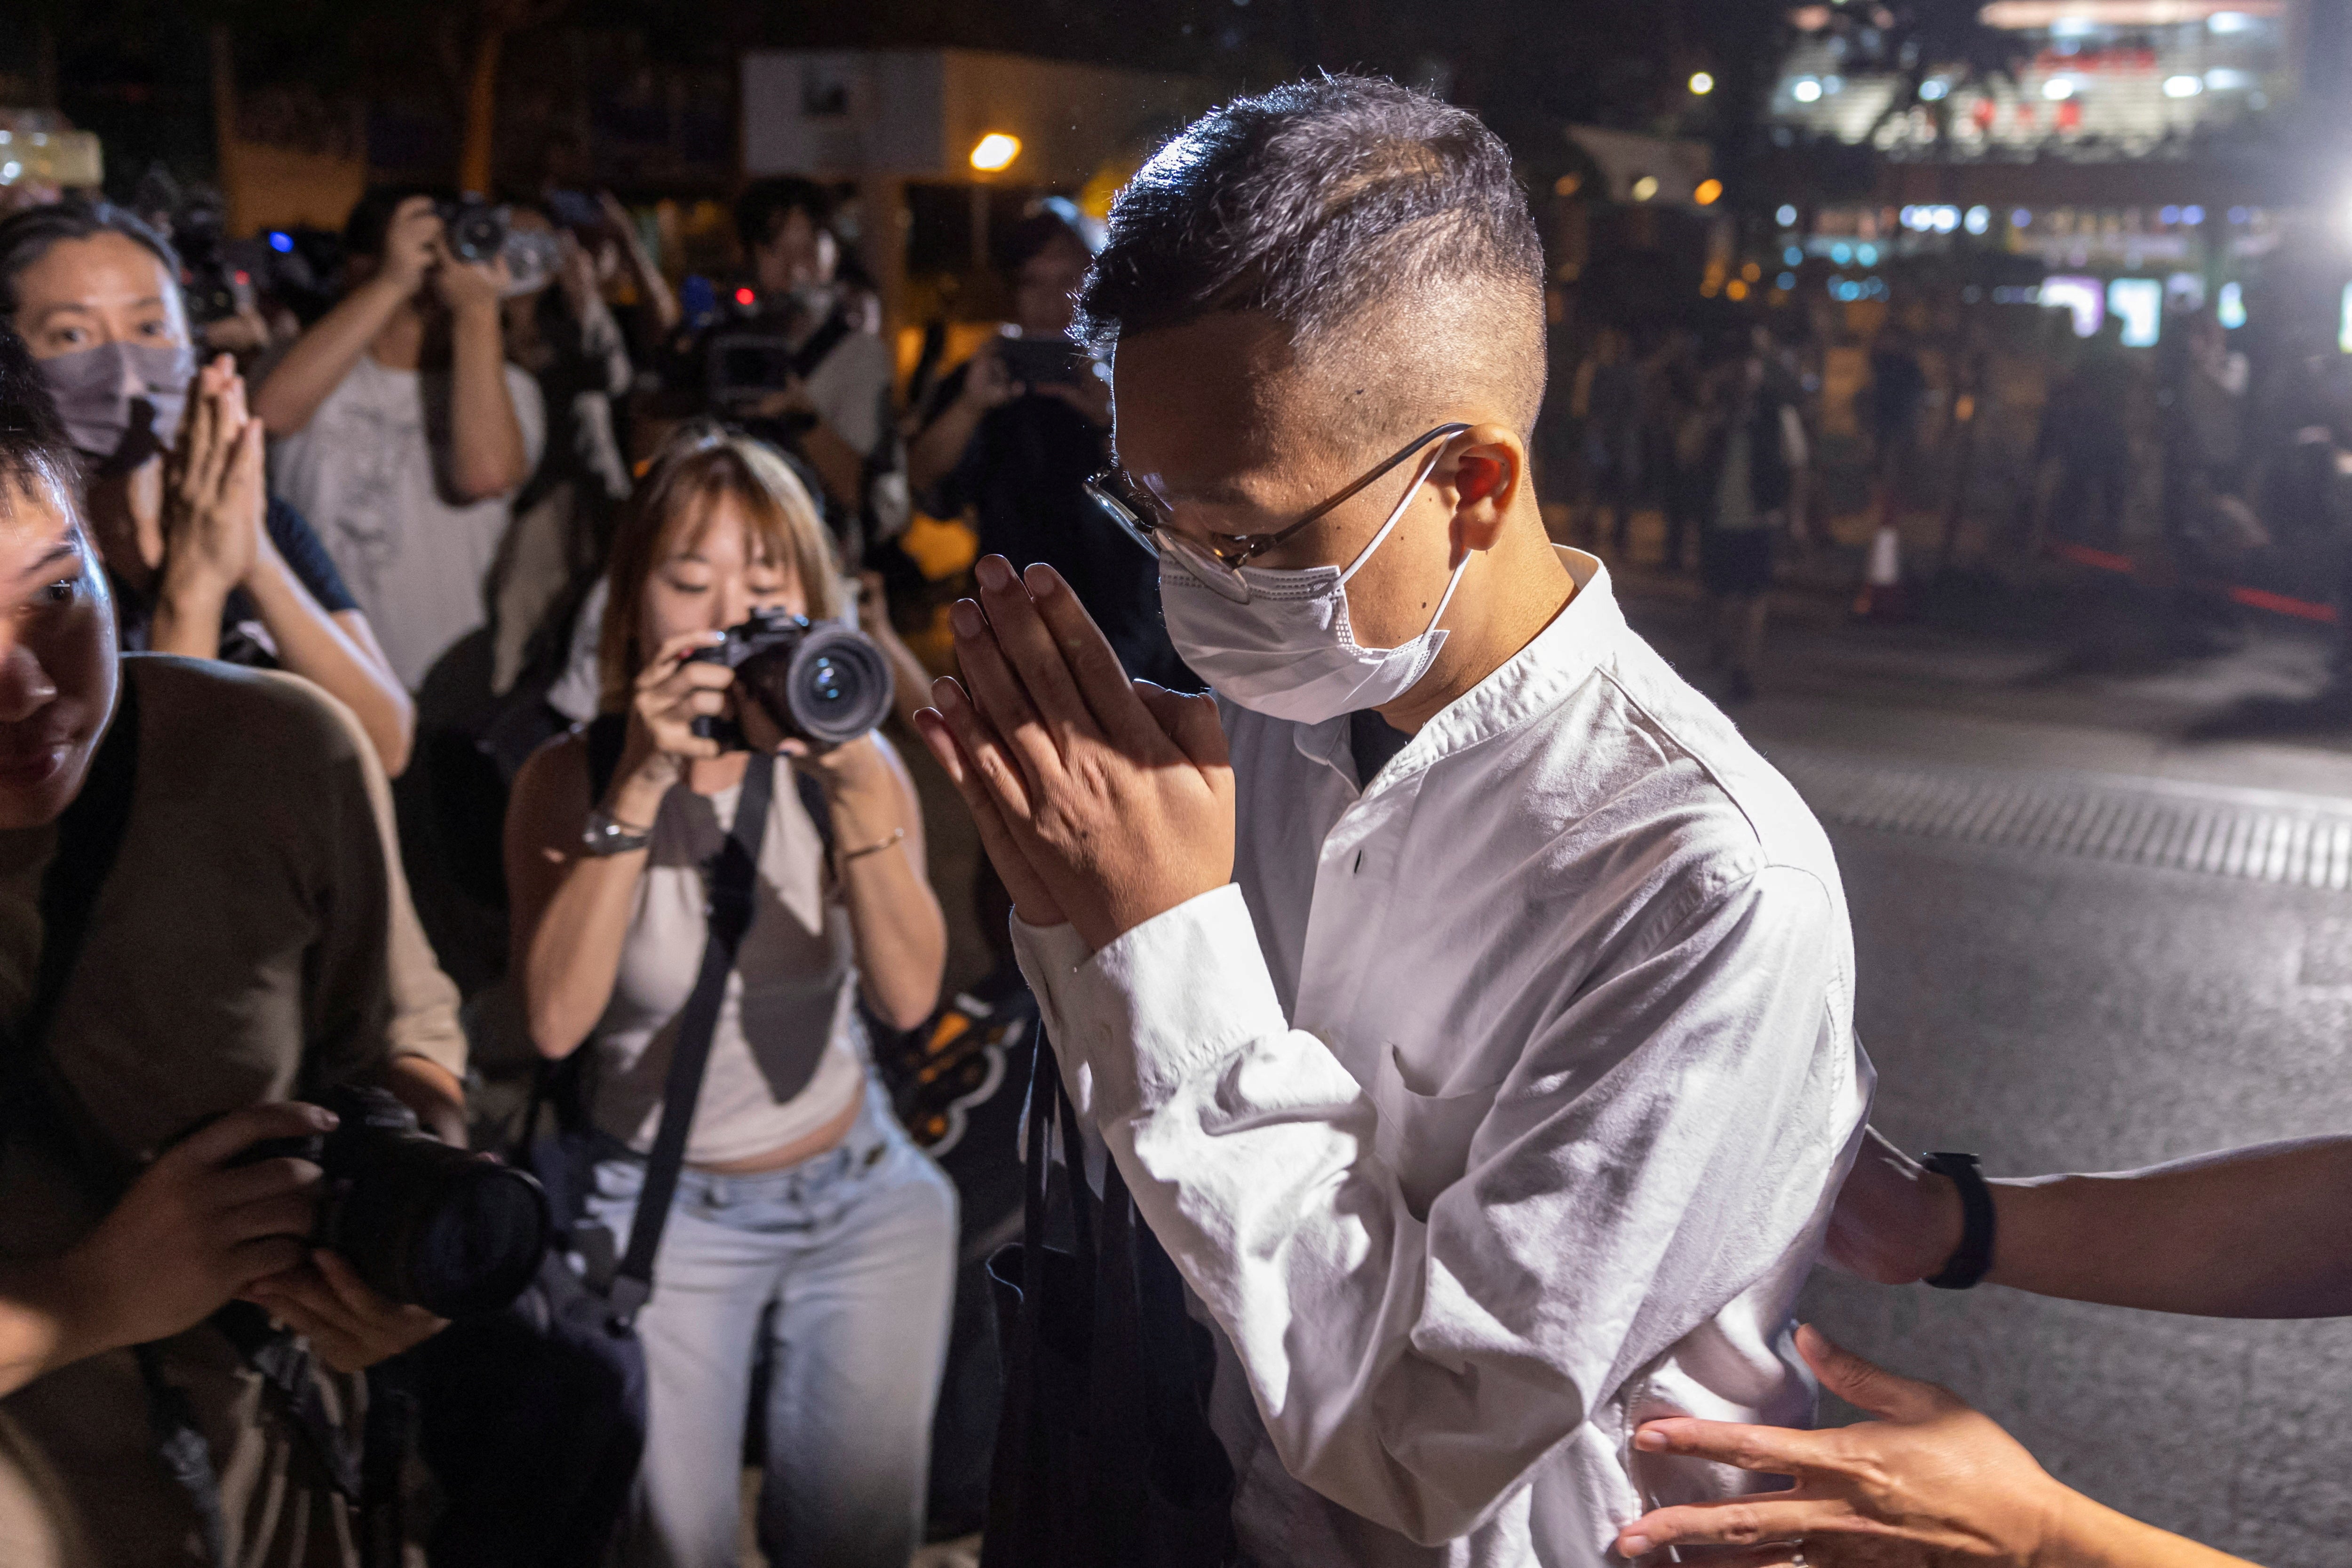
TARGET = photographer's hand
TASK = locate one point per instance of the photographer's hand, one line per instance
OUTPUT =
(349, 1325)
(193, 1232)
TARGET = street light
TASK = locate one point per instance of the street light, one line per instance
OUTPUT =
(1709, 193)
(994, 152)
(1702, 83)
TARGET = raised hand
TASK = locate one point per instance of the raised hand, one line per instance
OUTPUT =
(1100, 800)
(1932, 1484)
(216, 492)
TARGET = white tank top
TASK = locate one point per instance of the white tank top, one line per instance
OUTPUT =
(787, 1057)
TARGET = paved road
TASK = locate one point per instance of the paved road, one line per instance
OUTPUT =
(2058, 1013)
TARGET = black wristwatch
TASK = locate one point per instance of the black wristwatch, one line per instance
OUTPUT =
(1970, 1259)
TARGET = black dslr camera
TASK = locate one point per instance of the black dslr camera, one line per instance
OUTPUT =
(450, 1231)
(821, 682)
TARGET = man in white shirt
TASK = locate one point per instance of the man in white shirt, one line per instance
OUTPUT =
(1466, 1004)
(400, 430)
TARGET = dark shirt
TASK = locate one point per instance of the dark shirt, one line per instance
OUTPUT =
(305, 556)
(1024, 476)
(1374, 741)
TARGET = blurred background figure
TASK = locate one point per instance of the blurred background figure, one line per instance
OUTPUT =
(1013, 433)
(1606, 403)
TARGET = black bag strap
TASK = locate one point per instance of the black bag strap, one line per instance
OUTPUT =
(821, 344)
(608, 733)
(734, 888)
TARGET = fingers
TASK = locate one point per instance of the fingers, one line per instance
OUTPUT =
(243, 1184)
(1101, 680)
(673, 651)
(1035, 657)
(993, 772)
(1772, 1450)
(1867, 1386)
(252, 1261)
(1036, 904)
(286, 1217)
(1188, 720)
(240, 1130)
(1734, 1521)
(992, 689)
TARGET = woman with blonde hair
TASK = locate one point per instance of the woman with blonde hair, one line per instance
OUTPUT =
(803, 1212)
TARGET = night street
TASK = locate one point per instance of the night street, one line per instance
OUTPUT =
(2058, 1010)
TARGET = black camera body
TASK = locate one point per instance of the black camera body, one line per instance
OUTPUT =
(454, 1232)
(820, 681)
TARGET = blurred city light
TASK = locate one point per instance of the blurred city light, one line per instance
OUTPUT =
(1978, 220)
(2138, 303)
(2231, 309)
(1807, 90)
(1701, 83)
(994, 150)
(2182, 87)
(1786, 216)
(1709, 193)
(1645, 188)
(2083, 296)
(2058, 88)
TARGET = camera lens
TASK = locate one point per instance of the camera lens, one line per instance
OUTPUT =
(476, 232)
(479, 1245)
(838, 686)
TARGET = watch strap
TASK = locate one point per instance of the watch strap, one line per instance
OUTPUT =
(1972, 1258)
(602, 835)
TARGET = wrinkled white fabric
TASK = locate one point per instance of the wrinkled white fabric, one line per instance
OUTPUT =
(1491, 1110)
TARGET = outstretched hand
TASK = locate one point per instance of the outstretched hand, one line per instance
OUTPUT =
(1933, 1484)
(1100, 800)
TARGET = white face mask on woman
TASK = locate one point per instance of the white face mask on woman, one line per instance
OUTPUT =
(1289, 651)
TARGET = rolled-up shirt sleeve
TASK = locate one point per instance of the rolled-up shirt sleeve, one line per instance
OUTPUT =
(1661, 1144)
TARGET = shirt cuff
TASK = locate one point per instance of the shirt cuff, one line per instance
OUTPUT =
(1048, 956)
(1185, 989)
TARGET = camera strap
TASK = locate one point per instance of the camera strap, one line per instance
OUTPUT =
(733, 881)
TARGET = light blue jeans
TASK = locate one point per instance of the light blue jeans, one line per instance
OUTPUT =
(856, 1250)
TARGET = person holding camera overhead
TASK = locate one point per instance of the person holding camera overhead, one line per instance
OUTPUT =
(803, 1211)
(196, 912)
(401, 431)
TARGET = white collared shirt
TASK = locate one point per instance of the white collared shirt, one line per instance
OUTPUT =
(1493, 1108)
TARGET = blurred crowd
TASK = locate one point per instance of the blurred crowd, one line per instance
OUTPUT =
(482, 476)
(1995, 439)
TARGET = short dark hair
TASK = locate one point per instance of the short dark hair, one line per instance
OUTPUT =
(26, 237)
(764, 204)
(1316, 203)
(34, 451)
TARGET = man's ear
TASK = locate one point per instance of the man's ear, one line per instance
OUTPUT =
(1482, 478)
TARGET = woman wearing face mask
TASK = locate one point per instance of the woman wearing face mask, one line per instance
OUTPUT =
(204, 563)
(803, 1212)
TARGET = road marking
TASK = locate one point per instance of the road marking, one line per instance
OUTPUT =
(2304, 841)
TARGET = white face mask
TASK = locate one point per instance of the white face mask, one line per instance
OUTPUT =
(1289, 652)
